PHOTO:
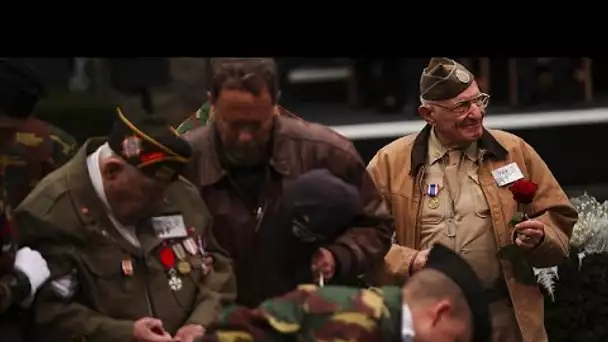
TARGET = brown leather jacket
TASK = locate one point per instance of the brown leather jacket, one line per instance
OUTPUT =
(299, 146)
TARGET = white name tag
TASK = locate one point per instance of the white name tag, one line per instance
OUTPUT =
(169, 227)
(507, 174)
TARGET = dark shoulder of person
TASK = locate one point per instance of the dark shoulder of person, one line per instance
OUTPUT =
(316, 136)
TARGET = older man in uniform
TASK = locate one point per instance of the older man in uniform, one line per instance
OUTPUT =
(441, 188)
(241, 161)
(442, 302)
(29, 150)
(125, 238)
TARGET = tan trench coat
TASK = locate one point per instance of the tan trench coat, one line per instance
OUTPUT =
(398, 171)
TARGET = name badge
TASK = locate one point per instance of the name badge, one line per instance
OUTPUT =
(507, 174)
(169, 227)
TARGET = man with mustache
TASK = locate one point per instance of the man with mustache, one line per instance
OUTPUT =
(125, 237)
(450, 184)
(241, 161)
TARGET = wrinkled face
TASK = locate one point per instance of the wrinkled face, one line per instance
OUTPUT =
(244, 122)
(440, 323)
(132, 195)
(458, 120)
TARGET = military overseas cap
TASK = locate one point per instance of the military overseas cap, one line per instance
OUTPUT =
(20, 87)
(151, 145)
(444, 79)
(446, 261)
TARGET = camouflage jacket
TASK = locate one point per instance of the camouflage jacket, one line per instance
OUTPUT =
(203, 116)
(331, 313)
(39, 148)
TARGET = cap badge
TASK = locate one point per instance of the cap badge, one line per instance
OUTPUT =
(462, 76)
(131, 146)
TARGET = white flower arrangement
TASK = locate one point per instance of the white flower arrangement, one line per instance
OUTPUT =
(589, 236)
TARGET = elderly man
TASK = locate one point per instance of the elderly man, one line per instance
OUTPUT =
(442, 302)
(450, 184)
(125, 237)
(241, 160)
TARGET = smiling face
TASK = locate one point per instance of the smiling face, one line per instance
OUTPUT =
(457, 121)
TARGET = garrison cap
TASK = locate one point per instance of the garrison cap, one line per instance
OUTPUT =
(150, 144)
(444, 79)
(446, 261)
(20, 87)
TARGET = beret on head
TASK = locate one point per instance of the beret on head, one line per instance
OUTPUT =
(21, 87)
(447, 262)
(150, 144)
(444, 79)
(316, 207)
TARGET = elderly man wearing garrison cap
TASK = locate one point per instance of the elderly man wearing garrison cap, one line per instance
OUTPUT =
(450, 184)
(125, 237)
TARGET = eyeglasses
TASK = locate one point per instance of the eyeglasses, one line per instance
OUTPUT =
(463, 106)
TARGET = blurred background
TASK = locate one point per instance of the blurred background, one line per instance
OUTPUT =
(558, 105)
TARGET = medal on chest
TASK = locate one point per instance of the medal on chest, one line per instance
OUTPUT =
(182, 264)
(432, 191)
(167, 258)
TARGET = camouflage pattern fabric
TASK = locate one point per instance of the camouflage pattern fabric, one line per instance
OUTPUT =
(199, 118)
(310, 313)
(39, 148)
(203, 116)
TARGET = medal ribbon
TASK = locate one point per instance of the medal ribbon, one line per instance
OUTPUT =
(167, 258)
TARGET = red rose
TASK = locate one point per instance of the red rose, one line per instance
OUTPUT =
(523, 191)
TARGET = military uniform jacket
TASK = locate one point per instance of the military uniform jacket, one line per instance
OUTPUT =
(97, 299)
(308, 314)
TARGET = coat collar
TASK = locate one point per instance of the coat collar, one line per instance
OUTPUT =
(420, 149)
(91, 209)
(209, 162)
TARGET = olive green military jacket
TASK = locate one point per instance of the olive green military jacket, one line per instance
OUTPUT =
(92, 294)
(309, 313)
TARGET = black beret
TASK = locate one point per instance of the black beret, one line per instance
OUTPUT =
(21, 87)
(316, 207)
(446, 261)
(150, 144)
(444, 79)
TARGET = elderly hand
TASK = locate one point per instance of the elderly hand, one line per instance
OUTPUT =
(188, 333)
(323, 263)
(530, 234)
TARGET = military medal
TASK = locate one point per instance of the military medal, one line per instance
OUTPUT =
(190, 246)
(182, 265)
(433, 191)
(127, 267)
(167, 258)
(175, 283)
(193, 249)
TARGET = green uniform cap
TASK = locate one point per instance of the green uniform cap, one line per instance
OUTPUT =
(444, 79)
(151, 145)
